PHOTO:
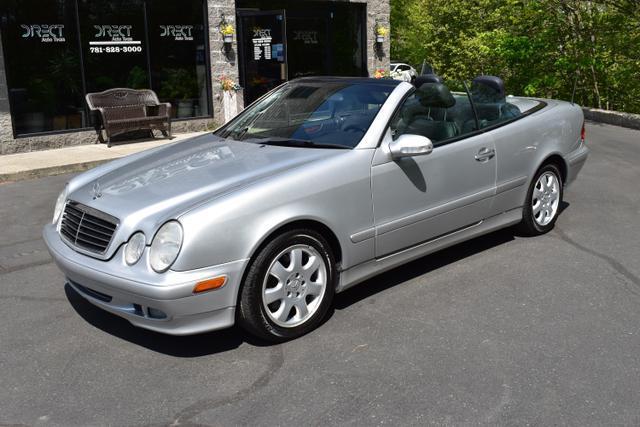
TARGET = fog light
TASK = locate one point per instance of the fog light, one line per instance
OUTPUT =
(209, 285)
(154, 313)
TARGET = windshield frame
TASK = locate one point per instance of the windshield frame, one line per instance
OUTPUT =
(223, 131)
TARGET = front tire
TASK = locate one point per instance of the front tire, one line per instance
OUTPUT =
(289, 286)
(542, 205)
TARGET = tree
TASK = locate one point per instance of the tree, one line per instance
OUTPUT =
(539, 47)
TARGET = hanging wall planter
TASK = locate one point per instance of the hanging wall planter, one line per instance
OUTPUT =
(227, 32)
(381, 33)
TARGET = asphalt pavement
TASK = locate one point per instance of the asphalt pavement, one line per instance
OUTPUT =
(501, 330)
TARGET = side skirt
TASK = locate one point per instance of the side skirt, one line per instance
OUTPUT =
(364, 271)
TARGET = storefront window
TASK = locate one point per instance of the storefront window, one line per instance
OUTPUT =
(42, 63)
(56, 51)
(177, 39)
(113, 44)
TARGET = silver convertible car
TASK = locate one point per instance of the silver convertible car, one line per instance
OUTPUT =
(315, 187)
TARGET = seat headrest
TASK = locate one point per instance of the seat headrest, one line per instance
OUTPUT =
(435, 95)
(427, 78)
(488, 89)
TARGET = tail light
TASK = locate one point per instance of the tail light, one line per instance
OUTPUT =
(583, 133)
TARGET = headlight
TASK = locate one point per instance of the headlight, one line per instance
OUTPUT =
(165, 246)
(134, 248)
(57, 211)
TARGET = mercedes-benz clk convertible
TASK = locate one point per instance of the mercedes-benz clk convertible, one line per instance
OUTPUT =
(317, 186)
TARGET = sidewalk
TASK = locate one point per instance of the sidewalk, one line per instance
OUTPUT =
(36, 164)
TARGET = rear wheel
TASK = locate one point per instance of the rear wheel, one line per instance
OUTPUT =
(542, 205)
(289, 286)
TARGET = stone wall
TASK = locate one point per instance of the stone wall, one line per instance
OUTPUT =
(68, 139)
(224, 61)
(6, 127)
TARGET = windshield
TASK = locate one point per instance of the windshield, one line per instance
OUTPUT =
(322, 113)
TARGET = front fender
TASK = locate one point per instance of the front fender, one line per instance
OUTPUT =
(335, 192)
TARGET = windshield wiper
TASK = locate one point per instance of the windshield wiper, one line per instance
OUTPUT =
(293, 142)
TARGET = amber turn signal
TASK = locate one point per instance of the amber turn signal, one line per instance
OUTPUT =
(209, 285)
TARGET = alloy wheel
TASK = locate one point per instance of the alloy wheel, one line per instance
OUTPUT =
(545, 199)
(294, 286)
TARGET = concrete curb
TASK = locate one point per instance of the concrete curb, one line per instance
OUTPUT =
(51, 171)
(615, 118)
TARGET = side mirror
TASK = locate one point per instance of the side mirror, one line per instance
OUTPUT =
(410, 145)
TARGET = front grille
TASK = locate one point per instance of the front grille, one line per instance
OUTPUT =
(87, 228)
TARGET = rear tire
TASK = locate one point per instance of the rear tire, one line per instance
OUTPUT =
(542, 205)
(289, 286)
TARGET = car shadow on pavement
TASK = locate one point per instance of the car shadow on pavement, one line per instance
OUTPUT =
(177, 346)
(426, 265)
(420, 267)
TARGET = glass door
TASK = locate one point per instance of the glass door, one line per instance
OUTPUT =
(262, 50)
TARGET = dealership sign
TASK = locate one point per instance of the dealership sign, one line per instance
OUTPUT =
(46, 33)
(307, 37)
(261, 43)
(119, 40)
(178, 32)
(114, 32)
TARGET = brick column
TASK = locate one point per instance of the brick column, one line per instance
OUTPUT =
(6, 128)
(222, 62)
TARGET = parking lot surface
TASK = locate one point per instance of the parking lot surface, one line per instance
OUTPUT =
(500, 330)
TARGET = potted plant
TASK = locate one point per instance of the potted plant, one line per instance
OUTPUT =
(180, 85)
(229, 98)
(227, 32)
(381, 33)
(381, 73)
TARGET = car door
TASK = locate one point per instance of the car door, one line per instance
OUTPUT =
(420, 198)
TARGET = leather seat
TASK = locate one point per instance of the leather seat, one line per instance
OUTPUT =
(426, 78)
(488, 95)
(436, 98)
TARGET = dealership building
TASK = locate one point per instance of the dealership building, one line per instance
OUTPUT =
(54, 52)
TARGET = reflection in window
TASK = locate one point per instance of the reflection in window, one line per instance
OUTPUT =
(322, 112)
(43, 65)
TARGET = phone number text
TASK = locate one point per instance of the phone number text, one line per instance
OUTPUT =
(117, 49)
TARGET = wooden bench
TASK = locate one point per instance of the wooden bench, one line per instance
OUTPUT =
(121, 110)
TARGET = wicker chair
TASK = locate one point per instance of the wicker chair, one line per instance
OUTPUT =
(125, 110)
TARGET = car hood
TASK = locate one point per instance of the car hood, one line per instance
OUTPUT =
(171, 180)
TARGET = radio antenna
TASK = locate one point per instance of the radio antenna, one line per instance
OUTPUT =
(575, 84)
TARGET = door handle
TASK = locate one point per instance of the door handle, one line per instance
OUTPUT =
(485, 154)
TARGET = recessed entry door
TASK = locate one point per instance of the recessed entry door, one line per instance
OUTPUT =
(262, 49)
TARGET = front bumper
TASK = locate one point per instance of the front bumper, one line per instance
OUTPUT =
(166, 304)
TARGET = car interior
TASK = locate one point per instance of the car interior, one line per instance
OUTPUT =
(439, 114)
